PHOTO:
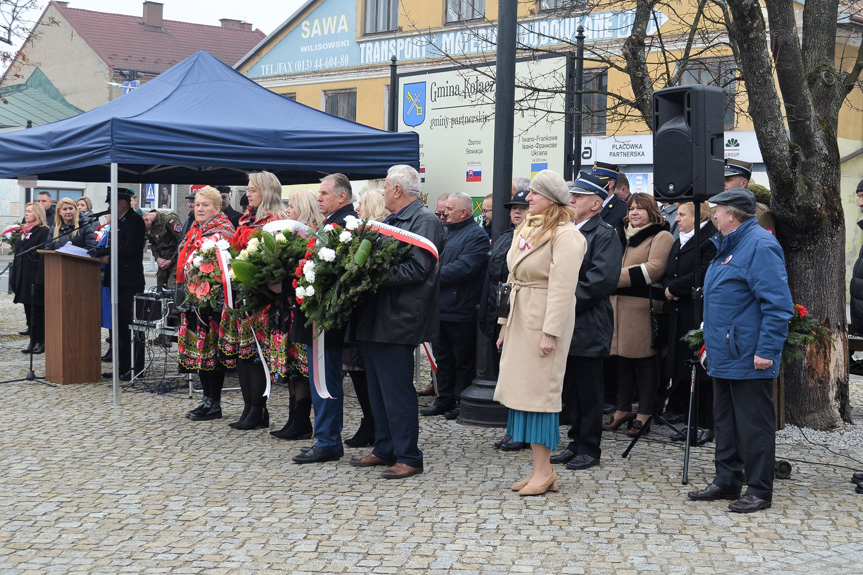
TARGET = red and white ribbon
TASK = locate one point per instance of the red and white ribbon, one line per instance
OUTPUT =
(223, 257)
(404, 236)
(432, 361)
(261, 355)
(319, 369)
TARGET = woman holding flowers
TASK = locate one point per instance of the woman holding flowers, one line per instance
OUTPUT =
(302, 207)
(240, 338)
(199, 269)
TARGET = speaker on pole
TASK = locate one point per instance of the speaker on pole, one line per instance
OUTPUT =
(688, 143)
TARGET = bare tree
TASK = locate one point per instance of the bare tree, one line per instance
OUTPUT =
(15, 25)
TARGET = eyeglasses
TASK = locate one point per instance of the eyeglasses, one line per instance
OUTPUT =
(486, 211)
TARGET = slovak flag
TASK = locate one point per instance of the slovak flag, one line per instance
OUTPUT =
(474, 173)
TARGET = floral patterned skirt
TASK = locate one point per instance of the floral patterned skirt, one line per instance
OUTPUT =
(237, 340)
(197, 344)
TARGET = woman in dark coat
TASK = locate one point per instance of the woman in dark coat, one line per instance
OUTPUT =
(680, 279)
(71, 227)
(28, 261)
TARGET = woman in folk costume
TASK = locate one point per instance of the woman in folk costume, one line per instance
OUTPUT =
(241, 338)
(197, 341)
(544, 260)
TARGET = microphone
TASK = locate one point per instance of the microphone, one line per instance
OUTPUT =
(98, 215)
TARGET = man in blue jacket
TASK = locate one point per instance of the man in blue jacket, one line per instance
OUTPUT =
(747, 306)
(462, 273)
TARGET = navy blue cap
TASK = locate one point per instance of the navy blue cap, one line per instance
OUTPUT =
(589, 184)
(606, 171)
(519, 199)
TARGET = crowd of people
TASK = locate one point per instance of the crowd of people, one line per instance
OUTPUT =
(572, 294)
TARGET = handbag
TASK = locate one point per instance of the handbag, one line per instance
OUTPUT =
(503, 292)
(658, 324)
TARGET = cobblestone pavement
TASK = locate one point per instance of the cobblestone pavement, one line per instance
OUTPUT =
(88, 487)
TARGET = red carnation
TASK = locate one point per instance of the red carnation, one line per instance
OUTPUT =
(294, 283)
(801, 311)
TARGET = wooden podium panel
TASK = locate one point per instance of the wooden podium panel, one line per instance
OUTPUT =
(73, 323)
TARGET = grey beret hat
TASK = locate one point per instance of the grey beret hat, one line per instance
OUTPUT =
(551, 185)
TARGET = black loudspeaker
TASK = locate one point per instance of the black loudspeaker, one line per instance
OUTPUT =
(688, 143)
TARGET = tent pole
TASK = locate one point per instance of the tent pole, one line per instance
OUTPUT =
(115, 332)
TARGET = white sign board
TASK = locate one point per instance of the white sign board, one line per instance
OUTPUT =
(453, 113)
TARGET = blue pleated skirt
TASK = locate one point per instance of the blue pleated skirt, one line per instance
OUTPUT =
(531, 427)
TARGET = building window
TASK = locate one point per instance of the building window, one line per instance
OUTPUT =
(594, 103)
(341, 103)
(549, 5)
(381, 15)
(719, 73)
(290, 96)
(458, 10)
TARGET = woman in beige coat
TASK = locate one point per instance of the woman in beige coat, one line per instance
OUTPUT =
(645, 257)
(544, 260)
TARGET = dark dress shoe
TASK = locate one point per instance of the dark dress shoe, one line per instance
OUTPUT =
(563, 457)
(28, 349)
(714, 493)
(678, 436)
(126, 376)
(202, 408)
(749, 504)
(318, 455)
(704, 436)
(499, 442)
(674, 418)
(370, 460)
(514, 446)
(426, 391)
(452, 414)
(434, 409)
(108, 355)
(400, 471)
(582, 462)
(108, 374)
(857, 477)
(25, 332)
(214, 411)
(859, 488)
(38, 348)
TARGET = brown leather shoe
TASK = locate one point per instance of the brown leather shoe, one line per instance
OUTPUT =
(400, 471)
(369, 460)
(427, 391)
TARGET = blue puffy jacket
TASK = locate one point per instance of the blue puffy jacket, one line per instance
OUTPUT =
(747, 304)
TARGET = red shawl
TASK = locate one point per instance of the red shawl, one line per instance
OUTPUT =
(248, 225)
(217, 225)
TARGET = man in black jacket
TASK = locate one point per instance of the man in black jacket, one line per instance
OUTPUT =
(594, 325)
(391, 323)
(130, 280)
(462, 273)
(334, 202)
(227, 208)
(613, 205)
(44, 199)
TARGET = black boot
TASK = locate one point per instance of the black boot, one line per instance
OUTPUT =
(301, 426)
(258, 418)
(246, 409)
(364, 436)
(214, 412)
(201, 409)
(292, 403)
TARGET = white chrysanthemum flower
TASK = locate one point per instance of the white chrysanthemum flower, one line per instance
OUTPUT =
(301, 292)
(351, 223)
(254, 242)
(252, 249)
(327, 254)
(231, 275)
(281, 238)
(310, 291)
(309, 266)
(345, 237)
(208, 245)
(223, 244)
(310, 277)
(328, 228)
(243, 255)
(197, 261)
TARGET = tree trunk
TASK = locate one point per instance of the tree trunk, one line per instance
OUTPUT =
(804, 174)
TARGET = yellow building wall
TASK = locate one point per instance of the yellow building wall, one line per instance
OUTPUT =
(371, 97)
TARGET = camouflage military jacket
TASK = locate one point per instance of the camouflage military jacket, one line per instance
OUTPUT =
(164, 235)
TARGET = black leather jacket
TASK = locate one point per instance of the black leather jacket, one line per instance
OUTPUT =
(405, 308)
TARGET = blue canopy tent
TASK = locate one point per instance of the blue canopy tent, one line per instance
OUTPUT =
(200, 122)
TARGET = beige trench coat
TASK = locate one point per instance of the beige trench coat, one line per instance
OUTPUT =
(542, 301)
(643, 264)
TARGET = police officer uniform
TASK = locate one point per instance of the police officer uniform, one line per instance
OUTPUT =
(164, 236)
(613, 208)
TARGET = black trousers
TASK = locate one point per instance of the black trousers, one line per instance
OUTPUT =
(582, 403)
(456, 359)
(125, 314)
(641, 374)
(745, 431)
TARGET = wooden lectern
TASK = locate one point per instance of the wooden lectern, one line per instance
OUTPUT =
(73, 323)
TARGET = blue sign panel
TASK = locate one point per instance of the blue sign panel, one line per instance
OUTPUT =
(415, 103)
(327, 39)
(151, 193)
